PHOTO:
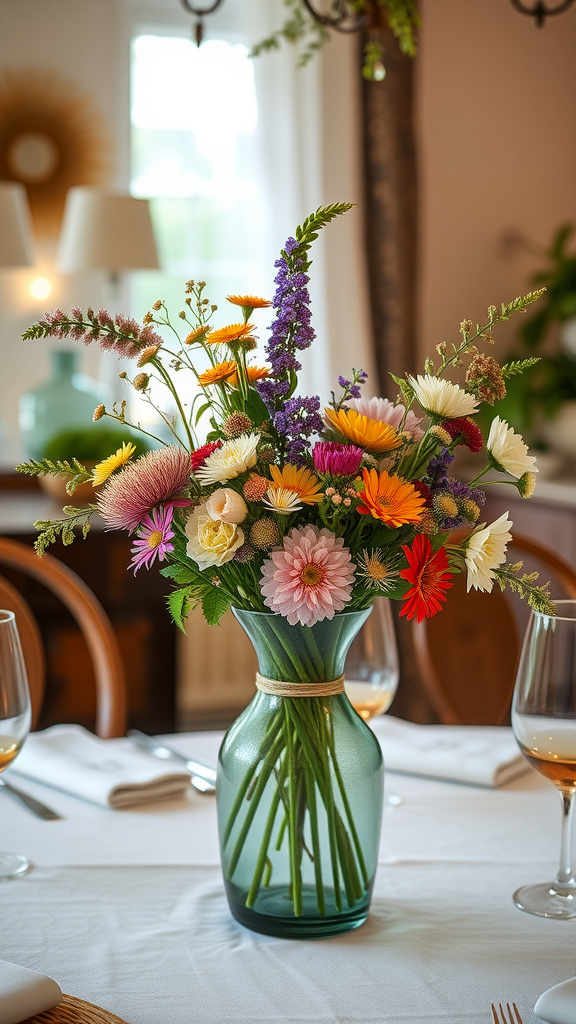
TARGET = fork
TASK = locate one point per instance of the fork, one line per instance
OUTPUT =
(505, 1015)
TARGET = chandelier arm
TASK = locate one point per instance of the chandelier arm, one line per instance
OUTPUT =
(338, 22)
(200, 12)
(539, 11)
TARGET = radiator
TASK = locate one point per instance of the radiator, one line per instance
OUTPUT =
(216, 671)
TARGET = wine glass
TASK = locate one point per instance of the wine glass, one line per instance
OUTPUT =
(14, 717)
(372, 664)
(544, 723)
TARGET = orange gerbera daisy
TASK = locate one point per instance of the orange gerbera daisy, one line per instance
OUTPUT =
(373, 435)
(251, 301)
(227, 334)
(254, 373)
(390, 498)
(217, 374)
(292, 487)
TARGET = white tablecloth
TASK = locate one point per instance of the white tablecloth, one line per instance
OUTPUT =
(126, 909)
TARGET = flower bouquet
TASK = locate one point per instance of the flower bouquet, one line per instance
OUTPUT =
(297, 518)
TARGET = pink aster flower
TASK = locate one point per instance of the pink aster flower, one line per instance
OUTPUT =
(154, 538)
(386, 412)
(154, 479)
(336, 459)
(309, 578)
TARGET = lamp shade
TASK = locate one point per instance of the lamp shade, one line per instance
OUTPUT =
(105, 231)
(15, 227)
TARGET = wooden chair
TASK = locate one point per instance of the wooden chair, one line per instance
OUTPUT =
(467, 655)
(92, 620)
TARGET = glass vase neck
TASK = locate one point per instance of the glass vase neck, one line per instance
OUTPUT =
(63, 364)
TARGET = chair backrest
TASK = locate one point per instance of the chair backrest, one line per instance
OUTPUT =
(92, 620)
(467, 655)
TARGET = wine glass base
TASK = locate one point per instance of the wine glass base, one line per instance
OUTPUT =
(546, 900)
(12, 865)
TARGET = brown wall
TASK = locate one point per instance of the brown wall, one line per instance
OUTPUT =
(496, 124)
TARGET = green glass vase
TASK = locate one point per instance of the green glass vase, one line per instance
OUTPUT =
(300, 786)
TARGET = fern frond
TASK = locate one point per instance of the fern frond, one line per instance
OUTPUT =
(517, 366)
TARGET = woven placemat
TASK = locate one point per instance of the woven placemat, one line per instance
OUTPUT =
(75, 1011)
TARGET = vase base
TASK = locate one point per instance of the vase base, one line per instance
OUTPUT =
(270, 916)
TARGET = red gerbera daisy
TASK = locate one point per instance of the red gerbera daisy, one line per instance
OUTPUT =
(424, 492)
(430, 577)
(201, 454)
(465, 431)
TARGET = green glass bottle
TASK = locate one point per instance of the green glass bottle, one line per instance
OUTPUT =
(300, 786)
(66, 400)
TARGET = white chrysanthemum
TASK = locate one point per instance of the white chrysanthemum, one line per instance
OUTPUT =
(442, 397)
(282, 500)
(508, 452)
(227, 462)
(485, 551)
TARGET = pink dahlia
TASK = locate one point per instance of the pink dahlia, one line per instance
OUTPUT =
(386, 412)
(154, 479)
(309, 578)
(336, 459)
(154, 538)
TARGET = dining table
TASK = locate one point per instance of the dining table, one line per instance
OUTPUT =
(126, 909)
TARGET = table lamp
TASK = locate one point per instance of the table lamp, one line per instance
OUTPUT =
(106, 231)
(15, 226)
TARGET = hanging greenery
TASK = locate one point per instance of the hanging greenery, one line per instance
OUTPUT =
(301, 29)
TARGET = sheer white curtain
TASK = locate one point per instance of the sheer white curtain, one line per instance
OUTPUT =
(310, 149)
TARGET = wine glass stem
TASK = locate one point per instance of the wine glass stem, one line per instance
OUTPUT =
(565, 877)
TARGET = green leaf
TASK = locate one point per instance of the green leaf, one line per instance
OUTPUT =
(180, 574)
(517, 366)
(214, 604)
(180, 604)
(203, 408)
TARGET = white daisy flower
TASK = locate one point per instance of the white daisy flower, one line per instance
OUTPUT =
(442, 397)
(485, 551)
(227, 462)
(507, 450)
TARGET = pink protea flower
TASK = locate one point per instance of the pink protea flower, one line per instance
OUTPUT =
(157, 478)
(386, 412)
(154, 538)
(336, 459)
(309, 578)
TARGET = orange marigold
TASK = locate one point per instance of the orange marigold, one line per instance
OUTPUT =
(254, 373)
(373, 435)
(217, 374)
(227, 334)
(249, 300)
(390, 498)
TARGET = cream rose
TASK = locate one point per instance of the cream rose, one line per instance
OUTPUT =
(227, 506)
(211, 541)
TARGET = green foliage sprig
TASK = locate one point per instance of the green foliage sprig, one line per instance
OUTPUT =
(74, 469)
(50, 530)
(537, 597)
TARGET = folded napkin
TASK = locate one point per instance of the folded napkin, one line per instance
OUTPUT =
(24, 993)
(106, 772)
(478, 755)
(558, 1004)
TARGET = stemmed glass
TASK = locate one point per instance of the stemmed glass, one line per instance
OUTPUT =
(14, 717)
(544, 723)
(372, 664)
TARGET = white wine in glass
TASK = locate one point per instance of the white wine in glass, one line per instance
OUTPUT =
(544, 724)
(14, 717)
(372, 664)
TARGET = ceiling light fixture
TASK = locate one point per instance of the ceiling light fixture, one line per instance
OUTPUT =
(200, 13)
(539, 11)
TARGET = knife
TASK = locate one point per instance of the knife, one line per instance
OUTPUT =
(201, 770)
(33, 805)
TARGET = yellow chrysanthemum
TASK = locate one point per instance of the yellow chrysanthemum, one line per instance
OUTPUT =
(217, 374)
(105, 468)
(254, 373)
(373, 435)
(249, 300)
(225, 335)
